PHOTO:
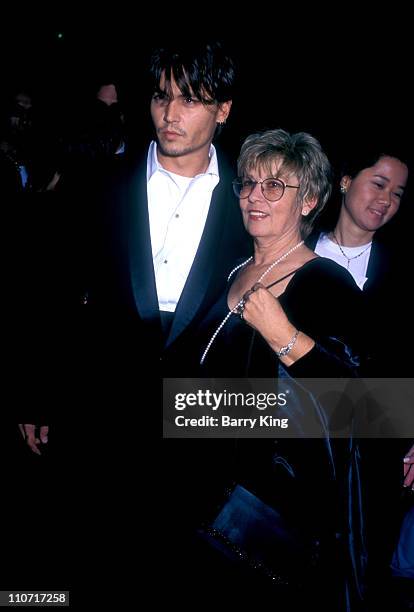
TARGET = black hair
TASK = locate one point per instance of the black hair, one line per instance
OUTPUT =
(205, 70)
(367, 155)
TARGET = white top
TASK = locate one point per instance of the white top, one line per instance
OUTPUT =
(325, 247)
(178, 207)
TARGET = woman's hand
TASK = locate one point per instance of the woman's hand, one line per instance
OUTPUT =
(262, 311)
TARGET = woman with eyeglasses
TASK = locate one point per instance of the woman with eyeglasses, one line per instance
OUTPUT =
(283, 302)
(286, 317)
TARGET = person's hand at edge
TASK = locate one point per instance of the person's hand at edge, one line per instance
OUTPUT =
(34, 436)
(409, 469)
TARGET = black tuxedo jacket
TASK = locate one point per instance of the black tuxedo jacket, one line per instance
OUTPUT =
(123, 294)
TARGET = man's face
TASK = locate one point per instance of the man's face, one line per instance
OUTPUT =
(107, 94)
(23, 101)
(183, 124)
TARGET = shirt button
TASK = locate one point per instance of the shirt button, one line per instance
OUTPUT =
(177, 215)
(165, 260)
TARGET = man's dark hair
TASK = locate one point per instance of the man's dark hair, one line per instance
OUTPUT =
(205, 70)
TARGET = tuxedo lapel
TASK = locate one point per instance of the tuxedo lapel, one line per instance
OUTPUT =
(216, 249)
(141, 268)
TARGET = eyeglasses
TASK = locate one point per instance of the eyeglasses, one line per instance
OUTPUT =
(272, 188)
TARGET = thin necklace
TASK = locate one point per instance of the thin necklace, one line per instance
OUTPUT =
(349, 259)
(240, 302)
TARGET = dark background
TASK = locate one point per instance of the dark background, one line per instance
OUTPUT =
(342, 77)
(339, 77)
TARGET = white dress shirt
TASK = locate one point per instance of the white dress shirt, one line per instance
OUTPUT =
(178, 207)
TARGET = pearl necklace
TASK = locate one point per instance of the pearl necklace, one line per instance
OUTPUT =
(240, 302)
(349, 259)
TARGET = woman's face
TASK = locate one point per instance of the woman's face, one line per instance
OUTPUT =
(266, 219)
(373, 197)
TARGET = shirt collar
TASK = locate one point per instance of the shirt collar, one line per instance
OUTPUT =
(153, 165)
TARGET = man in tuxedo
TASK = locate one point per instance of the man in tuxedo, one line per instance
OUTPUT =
(170, 233)
(170, 229)
(175, 227)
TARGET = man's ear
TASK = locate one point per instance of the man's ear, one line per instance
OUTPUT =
(345, 183)
(224, 109)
